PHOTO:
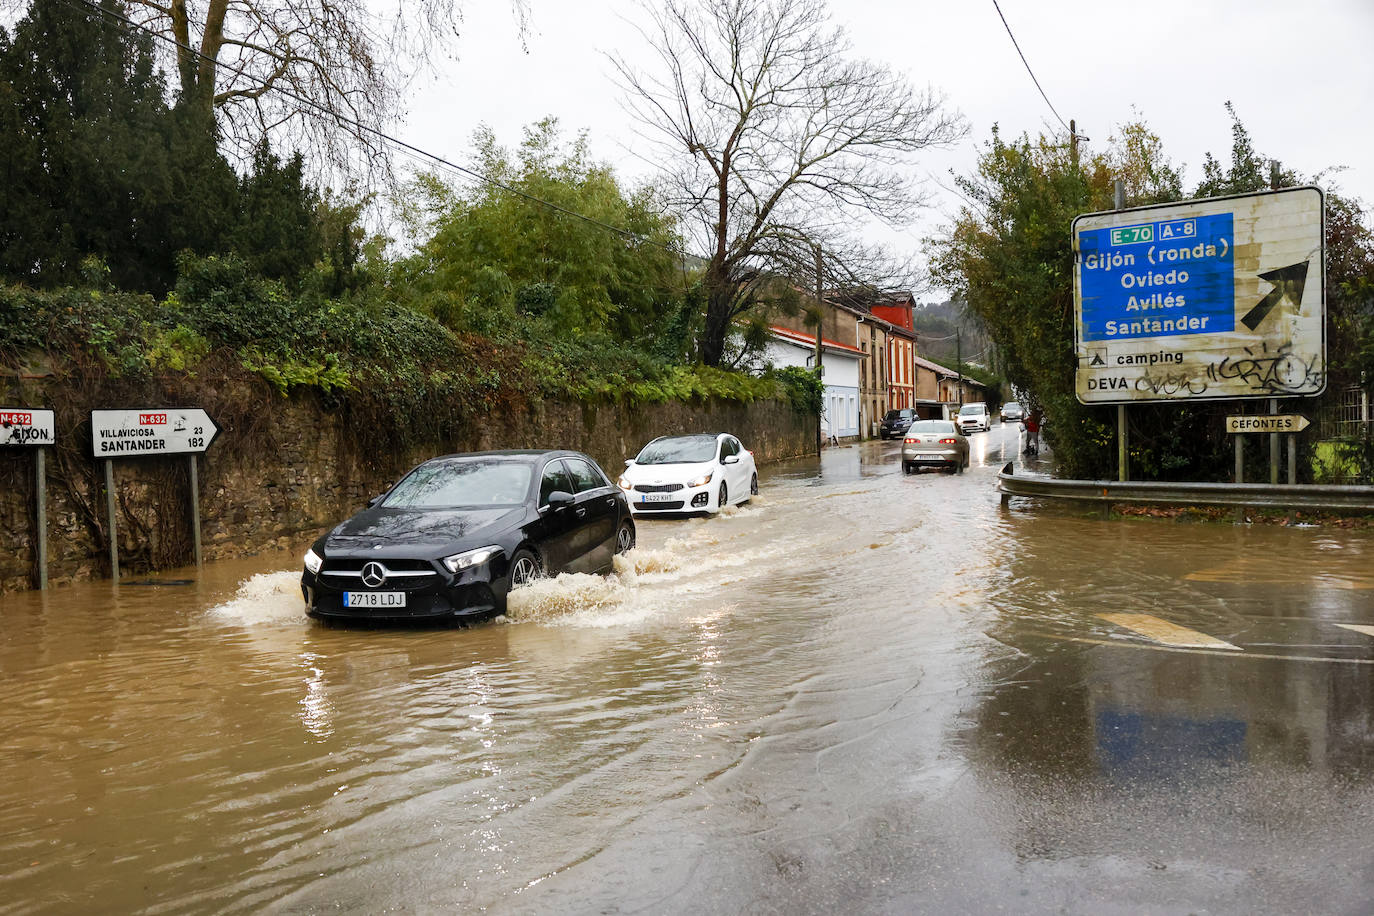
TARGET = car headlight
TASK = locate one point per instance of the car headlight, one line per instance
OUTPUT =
(470, 558)
(701, 481)
(313, 562)
(625, 484)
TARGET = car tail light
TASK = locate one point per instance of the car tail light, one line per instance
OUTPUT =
(949, 441)
(910, 441)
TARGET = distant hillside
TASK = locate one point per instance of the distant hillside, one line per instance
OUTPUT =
(936, 326)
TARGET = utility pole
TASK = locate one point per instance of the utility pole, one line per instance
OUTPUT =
(820, 309)
(820, 324)
(1073, 143)
(959, 363)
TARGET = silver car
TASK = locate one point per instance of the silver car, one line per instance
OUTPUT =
(934, 442)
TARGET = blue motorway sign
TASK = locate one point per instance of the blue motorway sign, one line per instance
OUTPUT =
(1158, 279)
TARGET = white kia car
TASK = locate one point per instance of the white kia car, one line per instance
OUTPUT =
(699, 473)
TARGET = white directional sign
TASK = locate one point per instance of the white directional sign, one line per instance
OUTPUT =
(1203, 300)
(27, 426)
(1273, 423)
(151, 431)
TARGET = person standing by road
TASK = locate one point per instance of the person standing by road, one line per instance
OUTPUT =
(1032, 425)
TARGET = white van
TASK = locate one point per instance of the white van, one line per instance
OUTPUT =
(974, 417)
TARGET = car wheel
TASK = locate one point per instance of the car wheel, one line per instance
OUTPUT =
(723, 498)
(754, 485)
(625, 538)
(524, 568)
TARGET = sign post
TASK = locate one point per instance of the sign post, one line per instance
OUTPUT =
(195, 510)
(154, 431)
(110, 513)
(1273, 424)
(1123, 446)
(30, 428)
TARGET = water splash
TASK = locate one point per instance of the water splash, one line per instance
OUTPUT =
(565, 595)
(266, 598)
(642, 561)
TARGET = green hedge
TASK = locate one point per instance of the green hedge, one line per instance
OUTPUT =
(220, 314)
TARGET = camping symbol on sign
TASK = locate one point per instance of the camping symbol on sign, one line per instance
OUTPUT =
(1097, 358)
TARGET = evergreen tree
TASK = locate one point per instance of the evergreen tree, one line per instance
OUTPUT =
(277, 231)
(95, 162)
(85, 131)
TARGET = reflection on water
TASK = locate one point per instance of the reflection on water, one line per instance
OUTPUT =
(823, 701)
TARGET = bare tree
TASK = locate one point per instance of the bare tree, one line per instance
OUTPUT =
(324, 75)
(783, 140)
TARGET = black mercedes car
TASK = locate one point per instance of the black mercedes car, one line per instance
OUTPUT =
(457, 533)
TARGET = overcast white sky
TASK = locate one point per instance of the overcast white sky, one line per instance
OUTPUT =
(1301, 76)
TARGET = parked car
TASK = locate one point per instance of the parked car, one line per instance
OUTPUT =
(937, 443)
(697, 473)
(974, 417)
(456, 534)
(896, 422)
(1012, 411)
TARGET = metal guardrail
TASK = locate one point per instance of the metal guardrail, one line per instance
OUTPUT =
(1247, 495)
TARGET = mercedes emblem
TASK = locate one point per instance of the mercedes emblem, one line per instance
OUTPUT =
(374, 575)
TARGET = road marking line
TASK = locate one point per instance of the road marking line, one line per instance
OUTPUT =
(1358, 628)
(1349, 575)
(1166, 633)
(1248, 656)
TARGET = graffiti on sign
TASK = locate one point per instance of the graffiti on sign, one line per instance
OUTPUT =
(1283, 372)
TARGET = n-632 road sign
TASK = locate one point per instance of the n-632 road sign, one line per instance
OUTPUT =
(1202, 300)
(27, 426)
(146, 431)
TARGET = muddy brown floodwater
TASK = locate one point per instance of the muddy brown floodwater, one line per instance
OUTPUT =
(865, 692)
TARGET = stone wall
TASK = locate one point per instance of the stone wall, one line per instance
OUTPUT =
(301, 470)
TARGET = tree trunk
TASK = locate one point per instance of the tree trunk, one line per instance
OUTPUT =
(717, 331)
(196, 68)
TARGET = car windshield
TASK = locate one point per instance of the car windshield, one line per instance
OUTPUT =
(679, 450)
(463, 482)
(972, 409)
(898, 415)
(932, 426)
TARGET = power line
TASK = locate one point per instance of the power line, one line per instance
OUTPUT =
(382, 135)
(1027, 63)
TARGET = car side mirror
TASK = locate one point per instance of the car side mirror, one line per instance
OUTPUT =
(375, 500)
(730, 459)
(629, 462)
(560, 499)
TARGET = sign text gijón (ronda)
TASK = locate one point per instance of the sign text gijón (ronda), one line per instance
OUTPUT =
(150, 431)
(1216, 298)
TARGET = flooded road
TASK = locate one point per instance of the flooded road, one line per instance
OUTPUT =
(865, 692)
